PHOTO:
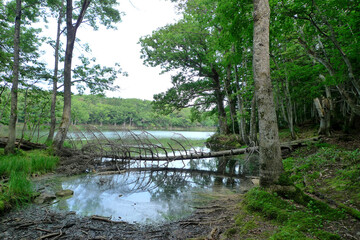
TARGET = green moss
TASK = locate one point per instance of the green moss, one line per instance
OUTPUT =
(353, 212)
(296, 223)
(230, 232)
(285, 180)
(289, 233)
(2, 206)
(219, 142)
(326, 235)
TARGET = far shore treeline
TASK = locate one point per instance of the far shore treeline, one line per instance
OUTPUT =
(34, 107)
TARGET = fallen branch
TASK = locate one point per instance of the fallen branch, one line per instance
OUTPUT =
(111, 172)
(198, 155)
(55, 234)
(24, 145)
(105, 219)
(43, 230)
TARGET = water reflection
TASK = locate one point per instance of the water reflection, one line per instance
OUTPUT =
(194, 135)
(153, 192)
(150, 196)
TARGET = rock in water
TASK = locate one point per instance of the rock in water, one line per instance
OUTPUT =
(44, 198)
(64, 193)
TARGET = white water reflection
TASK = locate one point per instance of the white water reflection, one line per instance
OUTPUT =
(192, 135)
(158, 195)
(142, 197)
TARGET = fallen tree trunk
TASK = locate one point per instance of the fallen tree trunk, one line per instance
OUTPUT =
(24, 145)
(198, 155)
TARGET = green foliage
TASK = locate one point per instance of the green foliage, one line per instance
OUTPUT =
(312, 173)
(18, 168)
(134, 113)
(33, 162)
(296, 222)
(20, 188)
(219, 142)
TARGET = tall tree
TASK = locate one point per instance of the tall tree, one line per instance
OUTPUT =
(186, 47)
(270, 153)
(60, 8)
(10, 146)
(70, 41)
(103, 11)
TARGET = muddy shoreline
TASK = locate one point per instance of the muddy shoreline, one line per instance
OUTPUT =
(41, 222)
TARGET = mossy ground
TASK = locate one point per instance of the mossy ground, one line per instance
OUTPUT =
(324, 205)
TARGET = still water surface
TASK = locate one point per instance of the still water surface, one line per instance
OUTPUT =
(154, 196)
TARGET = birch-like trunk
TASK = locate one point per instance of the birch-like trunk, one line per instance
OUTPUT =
(10, 146)
(269, 145)
(70, 41)
(55, 78)
(253, 129)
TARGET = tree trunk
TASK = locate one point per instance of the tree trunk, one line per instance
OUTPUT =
(10, 146)
(55, 78)
(232, 101)
(270, 154)
(70, 41)
(242, 120)
(323, 109)
(223, 127)
(253, 129)
(65, 121)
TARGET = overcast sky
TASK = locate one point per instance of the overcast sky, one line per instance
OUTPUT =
(111, 46)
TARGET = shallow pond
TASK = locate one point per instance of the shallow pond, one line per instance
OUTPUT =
(144, 197)
(155, 196)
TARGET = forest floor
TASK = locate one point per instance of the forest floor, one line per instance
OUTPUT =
(327, 171)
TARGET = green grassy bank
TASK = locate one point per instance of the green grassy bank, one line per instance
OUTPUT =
(15, 173)
(327, 177)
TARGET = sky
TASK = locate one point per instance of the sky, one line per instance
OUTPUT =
(111, 46)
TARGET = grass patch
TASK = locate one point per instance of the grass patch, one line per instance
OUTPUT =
(15, 171)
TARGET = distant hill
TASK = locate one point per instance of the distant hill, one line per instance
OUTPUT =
(91, 109)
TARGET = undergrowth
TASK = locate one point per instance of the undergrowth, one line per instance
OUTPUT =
(15, 172)
(320, 168)
(293, 221)
(329, 170)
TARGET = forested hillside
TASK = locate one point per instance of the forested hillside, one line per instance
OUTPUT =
(34, 108)
(135, 113)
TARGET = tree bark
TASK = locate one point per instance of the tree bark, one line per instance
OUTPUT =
(253, 129)
(242, 120)
(232, 101)
(223, 127)
(70, 41)
(323, 109)
(55, 78)
(10, 146)
(269, 145)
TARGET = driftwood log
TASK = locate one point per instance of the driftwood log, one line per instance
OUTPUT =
(24, 145)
